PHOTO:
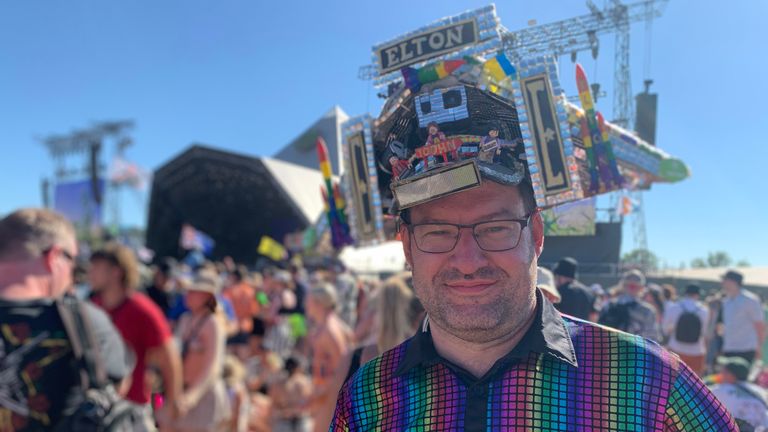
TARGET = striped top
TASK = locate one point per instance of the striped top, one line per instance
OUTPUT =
(564, 375)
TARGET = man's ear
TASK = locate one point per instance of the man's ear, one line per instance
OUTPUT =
(405, 236)
(537, 231)
(48, 259)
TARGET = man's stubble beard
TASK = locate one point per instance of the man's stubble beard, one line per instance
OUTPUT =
(495, 319)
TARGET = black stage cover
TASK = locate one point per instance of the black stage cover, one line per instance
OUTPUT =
(598, 254)
(233, 198)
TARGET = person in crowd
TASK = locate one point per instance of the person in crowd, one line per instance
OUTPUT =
(243, 299)
(204, 402)
(162, 290)
(280, 336)
(545, 281)
(290, 396)
(577, 300)
(239, 401)
(39, 377)
(670, 294)
(628, 312)
(330, 340)
(493, 352)
(685, 322)
(347, 292)
(742, 318)
(713, 337)
(654, 296)
(113, 277)
(746, 401)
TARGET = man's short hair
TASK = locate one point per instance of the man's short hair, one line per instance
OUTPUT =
(123, 258)
(27, 233)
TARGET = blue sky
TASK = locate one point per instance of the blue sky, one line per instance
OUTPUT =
(249, 76)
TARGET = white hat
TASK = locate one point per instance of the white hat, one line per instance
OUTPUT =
(546, 282)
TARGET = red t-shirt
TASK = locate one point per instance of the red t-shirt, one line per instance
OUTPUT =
(143, 327)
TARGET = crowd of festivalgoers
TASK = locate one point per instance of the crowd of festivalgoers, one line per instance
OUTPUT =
(218, 346)
(259, 350)
(720, 337)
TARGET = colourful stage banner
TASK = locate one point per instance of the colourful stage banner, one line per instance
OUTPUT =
(77, 202)
(571, 219)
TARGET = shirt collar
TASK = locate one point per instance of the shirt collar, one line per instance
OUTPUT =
(548, 334)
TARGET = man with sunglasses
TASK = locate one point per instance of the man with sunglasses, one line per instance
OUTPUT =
(493, 353)
(39, 377)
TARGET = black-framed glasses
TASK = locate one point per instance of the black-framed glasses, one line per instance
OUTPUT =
(491, 236)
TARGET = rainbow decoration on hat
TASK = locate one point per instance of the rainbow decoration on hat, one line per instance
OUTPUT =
(415, 78)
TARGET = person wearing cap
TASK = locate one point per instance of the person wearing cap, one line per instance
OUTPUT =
(628, 311)
(113, 276)
(693, 353)
(742, 318)
(577, 299)
(201, 334)
(746, 401)
(545, 281)
(493, 353)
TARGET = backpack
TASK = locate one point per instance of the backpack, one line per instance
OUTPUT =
(616, 315)
(688, 327)
(100, 407)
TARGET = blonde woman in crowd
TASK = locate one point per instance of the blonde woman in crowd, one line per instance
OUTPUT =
(239, 400)
(330, 340)
(201, 332)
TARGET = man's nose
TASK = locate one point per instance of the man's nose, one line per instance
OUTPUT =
(467, 256)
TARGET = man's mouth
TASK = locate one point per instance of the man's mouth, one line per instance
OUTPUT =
(470, 287)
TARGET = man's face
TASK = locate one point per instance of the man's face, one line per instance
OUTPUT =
(633, 287)
(63, 265)
(102, 274)
(473, 294)
(493, 133)
(730, 287)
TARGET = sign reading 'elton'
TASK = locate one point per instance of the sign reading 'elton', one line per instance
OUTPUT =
(426, 45)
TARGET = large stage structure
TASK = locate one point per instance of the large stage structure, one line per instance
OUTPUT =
(235, 199)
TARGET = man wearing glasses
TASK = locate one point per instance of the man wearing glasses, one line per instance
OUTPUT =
(38, 374)
(493, 353)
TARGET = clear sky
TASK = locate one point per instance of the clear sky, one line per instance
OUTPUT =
(250, 76)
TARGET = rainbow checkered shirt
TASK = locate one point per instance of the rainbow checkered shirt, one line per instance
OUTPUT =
(564, 375)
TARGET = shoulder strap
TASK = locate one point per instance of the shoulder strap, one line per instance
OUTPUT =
(82, 340)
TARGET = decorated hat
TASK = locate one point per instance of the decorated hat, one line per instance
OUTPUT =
(442, 138)
(461, 109)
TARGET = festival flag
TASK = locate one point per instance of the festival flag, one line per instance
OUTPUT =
(336, 221)
(272, 249)
(193, 239)
(500, 68)
(626, 206)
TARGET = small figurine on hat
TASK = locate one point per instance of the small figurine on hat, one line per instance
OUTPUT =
(491, 144)
(397, 161)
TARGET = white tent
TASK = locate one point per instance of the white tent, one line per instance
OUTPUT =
(384, 258)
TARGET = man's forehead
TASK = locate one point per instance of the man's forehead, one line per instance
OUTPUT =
(491, 200)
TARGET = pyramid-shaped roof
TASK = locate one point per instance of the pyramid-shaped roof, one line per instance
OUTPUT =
(301, 151)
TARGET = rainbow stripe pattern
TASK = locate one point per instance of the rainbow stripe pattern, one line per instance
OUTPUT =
(621, 383)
